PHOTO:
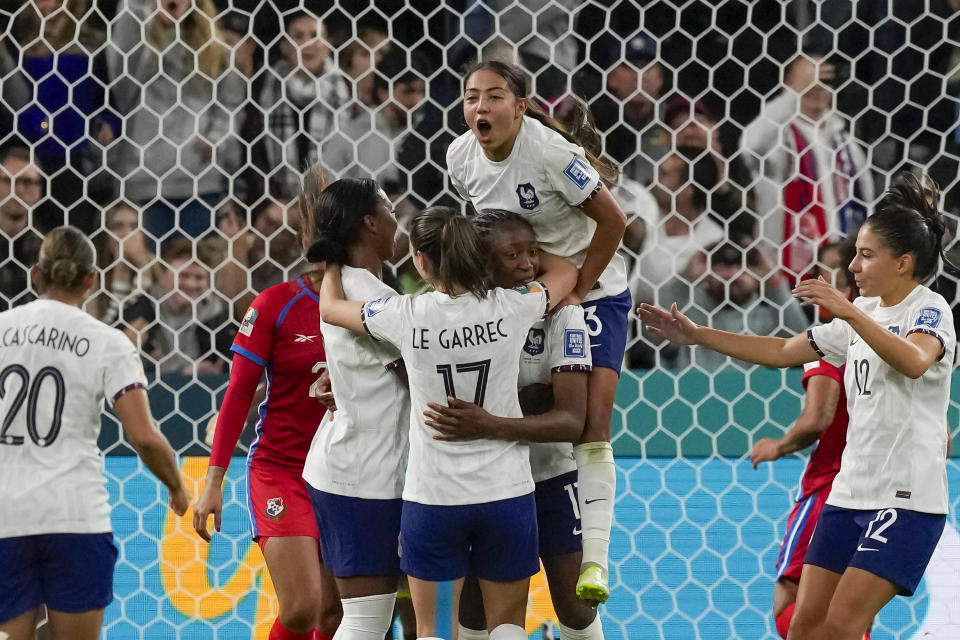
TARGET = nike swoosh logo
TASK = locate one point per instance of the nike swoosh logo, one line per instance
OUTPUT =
(861, 548)
(592, 501)
(577, 531)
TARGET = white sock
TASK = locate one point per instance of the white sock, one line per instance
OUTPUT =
(596, 489)
(508, 632)
(366, 618)
(472, 634)
(594, 631)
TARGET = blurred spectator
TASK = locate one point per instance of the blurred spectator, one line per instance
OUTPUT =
(367, 142)
(57, 90)
(228, 253)
(179, 98)
(301, 96)
(21, 188)
(813, 181)
(641, 209)
(275, 249)
(682, 225)
(734, 289)
(125, 262)
(188, 329)
(626, 111)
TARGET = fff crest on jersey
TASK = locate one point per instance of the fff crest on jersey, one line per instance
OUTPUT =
(535, 341)
(275, 508)
(528, 196)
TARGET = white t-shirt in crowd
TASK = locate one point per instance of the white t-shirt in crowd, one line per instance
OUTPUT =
(557, 344)
(57, 365)
(897, 439)
(360, 450)
(545, 179)
(468, 348)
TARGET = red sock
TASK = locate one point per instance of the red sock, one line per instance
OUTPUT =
(279, 632)
(322, 636)
(866, 636)
(783, 620)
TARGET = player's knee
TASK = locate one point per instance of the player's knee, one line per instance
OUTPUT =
(837, 628)
(804, 627)
(572, 612)
(299, 615)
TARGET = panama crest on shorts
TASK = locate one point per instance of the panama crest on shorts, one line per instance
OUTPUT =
(275, 508)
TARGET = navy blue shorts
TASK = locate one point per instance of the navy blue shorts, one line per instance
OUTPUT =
(358, 536)
(558, 516)
(68, 572)
(607, 321)
(894, 544)
(494, 540)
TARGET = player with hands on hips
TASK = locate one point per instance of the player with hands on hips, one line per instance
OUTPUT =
(554, 365)
(57, 367)
(279, 338)
(354, 470)
(461, 340)
(887, 506)
(517, 158)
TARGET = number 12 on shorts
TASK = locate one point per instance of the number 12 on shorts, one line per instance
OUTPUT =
(885, 519)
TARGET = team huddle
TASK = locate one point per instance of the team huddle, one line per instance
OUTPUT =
(464, 434)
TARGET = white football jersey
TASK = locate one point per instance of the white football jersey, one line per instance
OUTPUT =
(545, 179)
(467, 348)
(360, 450)
(559, 343)
(897, 439)
(57, 365)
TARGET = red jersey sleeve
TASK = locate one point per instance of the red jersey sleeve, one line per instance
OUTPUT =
(244, 378)
(254, 339)
(822, 368)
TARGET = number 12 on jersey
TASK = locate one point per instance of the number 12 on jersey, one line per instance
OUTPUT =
(481, 368)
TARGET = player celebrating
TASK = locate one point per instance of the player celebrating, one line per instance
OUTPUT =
(887, 507)
(461, 341)
(279, 336)
(57, 366)
(354, 470)
(517, 158)
(823, 423)
(554, 365)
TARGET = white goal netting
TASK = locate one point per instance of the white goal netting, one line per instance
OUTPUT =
(752, 138)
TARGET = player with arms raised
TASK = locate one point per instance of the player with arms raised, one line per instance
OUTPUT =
(888, 504)
(517, 158)
(57, 366)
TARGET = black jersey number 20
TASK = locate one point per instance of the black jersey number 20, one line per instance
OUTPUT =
(30, 391)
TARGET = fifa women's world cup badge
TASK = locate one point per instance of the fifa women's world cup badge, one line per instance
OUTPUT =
(275, 508)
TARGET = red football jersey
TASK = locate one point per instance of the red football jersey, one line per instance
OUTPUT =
(281, 332)
(825, 458)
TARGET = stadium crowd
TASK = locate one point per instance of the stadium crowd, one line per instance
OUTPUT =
(176, 133)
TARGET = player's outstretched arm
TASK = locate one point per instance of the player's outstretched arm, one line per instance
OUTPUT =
(763, 350)
(819, 407)
(611, 224)
(335, 309)
(134, 412)
(558, 275)
(461, 420)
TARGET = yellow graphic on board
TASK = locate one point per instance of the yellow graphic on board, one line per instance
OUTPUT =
(186, 577)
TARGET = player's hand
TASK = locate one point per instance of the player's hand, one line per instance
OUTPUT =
(210, 502)
(322, 389)
(458, 421)
(765, 450)
(180, 499)
(672, 325)
(821, 292)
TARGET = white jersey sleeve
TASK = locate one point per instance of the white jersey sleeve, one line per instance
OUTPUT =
(457, 184)
(831, 341)
(384, 318)
(567, 341)
(124, 372)
(530, 301)
(927, 318)
(568, 171)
